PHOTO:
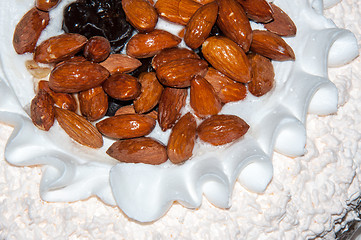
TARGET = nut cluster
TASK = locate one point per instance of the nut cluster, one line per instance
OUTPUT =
(85, 71)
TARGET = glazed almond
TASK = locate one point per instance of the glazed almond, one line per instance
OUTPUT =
(171, 54)
(122, 86)
(257, 10)
(262, 75)
(187, 8)
(93, 103)
(97, 49)
(282, 24)
(120, 63)
(46, 5)
(217, 79)
(177, 11)
(141, 14)
(232, 92)
(42, 111)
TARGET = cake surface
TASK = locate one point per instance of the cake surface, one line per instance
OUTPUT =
(304, 198)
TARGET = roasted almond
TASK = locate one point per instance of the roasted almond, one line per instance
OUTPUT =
(143, 45)
(182, 138)
(72, 77)
(139, 150)
(122, 86)
(234, 23)
(93, 103)
(282, 24)
(200, 25)
(232, 92)
(170, 105)
(222, 129)
(227, 57)
(187, 8)
(28, 30)
(42, 111)
(120, 63)
(271, 46)
(178, 73)
(129, 109)
(217, 79)
(151, 90)
(126, 126)
(203, 98)
(97, 49)
(171, 54)
(141, 14)
(203, 2)
(177, 11)
(46, 5)
(58, 48)
(257, 10)
(78, 128)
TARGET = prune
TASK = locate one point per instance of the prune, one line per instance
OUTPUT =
(104, 18)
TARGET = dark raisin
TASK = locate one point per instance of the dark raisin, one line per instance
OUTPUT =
(114, 105)
(145, 67)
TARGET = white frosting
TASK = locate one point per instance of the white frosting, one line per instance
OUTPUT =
(303, 195)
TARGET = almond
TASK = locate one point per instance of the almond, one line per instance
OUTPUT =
(187, 8)
(120, 63)
(257, 10)
(35, 70)
(93, 103)
(233, 22)
(282, 24)
(143, 45)
(97, 49)
(141, 14)
(129, 109)
(177, 11)
(182, 138)
(232, 92)
(151, 90)
(122, 86)
(72, 77)
(271, 46)
(139, 150)
(58, 48)
(170, 106)
(227, 57)
(200, 25)
(28, 30)
(171, 54)
(78, 128)
(203, 2)
(217, 79)
(42, 111)
(262, 75)
(126, 126)
(46, 5)
(222, 129)
(203, 98)
(178, 73)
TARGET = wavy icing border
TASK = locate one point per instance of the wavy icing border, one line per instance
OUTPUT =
(145, 192)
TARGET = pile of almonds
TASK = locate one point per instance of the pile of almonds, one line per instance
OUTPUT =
(83, 71)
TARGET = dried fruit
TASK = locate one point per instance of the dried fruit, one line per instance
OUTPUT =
(139, 150)
(78, 128)
(262, 75)
(120, 63)
(46, 5)
(141, 14)
(222, 129)
(97, 49)
(93, 103)
(257, 10)
(42, 111)
(182, 139)
(28, 30)
(122, 86)
(282, 24)
(171, 54)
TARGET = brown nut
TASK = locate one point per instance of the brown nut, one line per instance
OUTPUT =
(122, 86)
(93, 103)
(97, 49)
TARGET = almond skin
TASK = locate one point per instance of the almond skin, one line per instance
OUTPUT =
(217, 79)
(58, 48)
(177, 11)
(93, 103)
(232, 92)
(139, 150)
(187, 8)
(129, 109)
(222, 129)
(72, 77)
(233, 22)
(171, 54)
(200, 25)
(178, 73)
(141, 14)
(282, 24)
(28, 30)
(122, 86)
(170, 105)
(182, 138)
(97, 49)
(143, 45)
(42, 111)
(262, 75)
(126, 126)
(257, 10)
(78, 128)
(120, 63)
(228, 58)
(203, 98)
(46, 5)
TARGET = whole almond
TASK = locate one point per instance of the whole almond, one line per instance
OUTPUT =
(200, 25)
(271, 46)
(42, 111)
(257, 10)
(178, 73)
(187, 8)
(143, 45)
(233, 22)
(170, 105)
(203, 98)
(139, 150)
(122, 86)
(217, 79)
(151, 90)
(262, 75)
(227, 57)
(282, 24)
(203, 2)
(120, 63)
(129, 109)
(72, 77)
(28, 30)
(182, 138)
(97, 49)
(78, 128)
(46, 5)
(93, 103)
(141, 14)
(177, 11)
(232, 92)
(35, 70)
(222, 129)
(171, 54)
(58, 48)
(126, 126)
